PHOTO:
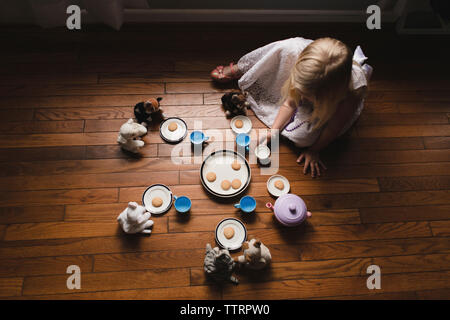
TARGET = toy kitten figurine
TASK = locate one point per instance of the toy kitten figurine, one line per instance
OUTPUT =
(143, 110)
(135, 219)
(219, 265)
(235, 103)
(256, 255)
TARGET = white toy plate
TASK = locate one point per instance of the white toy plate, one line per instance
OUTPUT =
(274, 190)
(220, 162)
(240, 234)
(173, 136)
(157, 190)
(245, 128)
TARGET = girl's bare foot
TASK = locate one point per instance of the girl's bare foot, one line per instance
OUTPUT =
(226, 73)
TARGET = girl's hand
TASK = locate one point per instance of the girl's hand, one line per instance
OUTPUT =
(312, 162)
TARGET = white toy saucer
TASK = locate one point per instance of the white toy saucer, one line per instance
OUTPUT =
(246, 128)
(240, 234)
(173, 136)
(274, 190)
(157, 190)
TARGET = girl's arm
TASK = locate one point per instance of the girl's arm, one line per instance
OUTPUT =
(285, 112)
(330, 132)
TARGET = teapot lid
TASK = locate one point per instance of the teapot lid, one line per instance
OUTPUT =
(290, 209)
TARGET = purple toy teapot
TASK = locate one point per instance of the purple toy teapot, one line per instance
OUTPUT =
(290, 210)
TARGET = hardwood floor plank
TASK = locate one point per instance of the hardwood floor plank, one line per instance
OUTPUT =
(10, 287)
(416, 263)
(372, 248)
(55, 197)
(43, 266)
(440, 228)
(294, 270)
(16, 214)
(115, 152)
(93, 212)
(37, 90)
(409, 96)
(388, 119)
(50, 78)
(178, 293)
(420, 107)
(436, 142)
(97, 101)
(309, 233)
(164, 76)
(311, 288)
(126, 112)
(149, 260)
(414, 183)
(43, 154)
(404, 131)
(108, 281)
(16, 115)
(438, 294)
(395, 214)
(195, 87)
(360, 144)
(27, 127)
(255, 221)
(82, 113)
(62, 230)
(371, 200)
(378, 157)
(115, 244)
(107, 180)
(96, 166)
(2, 231)
(58, 139)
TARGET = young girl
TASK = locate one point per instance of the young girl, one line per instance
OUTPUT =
(312, 91)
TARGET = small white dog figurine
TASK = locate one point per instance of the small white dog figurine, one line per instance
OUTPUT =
(256, 255)
(129, 136)
(135, 219)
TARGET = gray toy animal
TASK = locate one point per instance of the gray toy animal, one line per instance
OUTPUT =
(219, 265)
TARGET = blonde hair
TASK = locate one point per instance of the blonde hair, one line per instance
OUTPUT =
(322, 72)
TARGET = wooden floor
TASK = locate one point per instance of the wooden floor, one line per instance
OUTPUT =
(384, 200)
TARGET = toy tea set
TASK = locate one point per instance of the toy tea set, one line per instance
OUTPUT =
(224, 174)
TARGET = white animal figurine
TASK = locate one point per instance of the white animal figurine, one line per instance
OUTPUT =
(256, 255)
(129, 136)
(135, 219)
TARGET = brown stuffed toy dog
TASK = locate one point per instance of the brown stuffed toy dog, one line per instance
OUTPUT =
(235, 103)
(143, 110)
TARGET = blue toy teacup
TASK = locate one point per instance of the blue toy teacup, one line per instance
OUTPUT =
(246, 204)
(243, 140)
(198, 137)
(182, 204)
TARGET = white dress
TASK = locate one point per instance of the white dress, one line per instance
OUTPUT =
(267, 68)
